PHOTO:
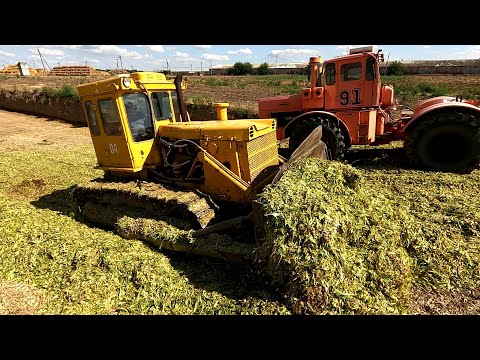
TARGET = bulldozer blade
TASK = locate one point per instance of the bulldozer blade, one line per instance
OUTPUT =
(236, 223)
(312, 146)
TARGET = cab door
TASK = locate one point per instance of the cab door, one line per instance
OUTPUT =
(108, 135)
(140, 130)
(351, 85)
(331, 98)
(371, 87)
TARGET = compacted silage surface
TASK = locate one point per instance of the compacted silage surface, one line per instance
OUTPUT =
(370, 240)
(73, 268)
(374, 239)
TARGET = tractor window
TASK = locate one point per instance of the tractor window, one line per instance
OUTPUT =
(352, 71)
(92, 119)
(161, 105)
(370, 69)
(175, 105)
(139, 116)
(330, 74)
(111, 122)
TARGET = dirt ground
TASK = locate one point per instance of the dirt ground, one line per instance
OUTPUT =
(25, 132)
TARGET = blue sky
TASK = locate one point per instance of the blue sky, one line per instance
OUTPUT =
(196, 57)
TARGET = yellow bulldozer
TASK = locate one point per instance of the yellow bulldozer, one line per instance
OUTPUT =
(156, 159)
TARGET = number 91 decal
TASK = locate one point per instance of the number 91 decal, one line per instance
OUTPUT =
(346, 98)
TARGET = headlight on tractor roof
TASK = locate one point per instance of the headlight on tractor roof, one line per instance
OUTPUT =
(126, 82)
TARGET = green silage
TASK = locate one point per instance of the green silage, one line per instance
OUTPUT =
(342, 243)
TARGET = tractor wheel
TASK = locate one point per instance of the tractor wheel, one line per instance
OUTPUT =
(446, 141)
(332, 136)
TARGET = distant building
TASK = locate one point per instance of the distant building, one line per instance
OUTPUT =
(292, 68)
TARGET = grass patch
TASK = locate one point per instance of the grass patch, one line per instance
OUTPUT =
(217, 82)
(411, 89)
(199, 100)
(66, 91)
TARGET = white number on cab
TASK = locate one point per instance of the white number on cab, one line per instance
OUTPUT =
(113, 148)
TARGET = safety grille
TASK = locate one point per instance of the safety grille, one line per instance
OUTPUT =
(262, 152)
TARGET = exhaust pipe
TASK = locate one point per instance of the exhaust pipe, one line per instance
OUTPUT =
(314, 70)
(181, 104)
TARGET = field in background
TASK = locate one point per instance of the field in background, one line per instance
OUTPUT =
(244, 91)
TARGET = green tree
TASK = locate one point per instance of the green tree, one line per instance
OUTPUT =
(240, 68)
(395, 68)
(263, 69)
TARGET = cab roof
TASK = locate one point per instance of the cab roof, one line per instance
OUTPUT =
(128, 82)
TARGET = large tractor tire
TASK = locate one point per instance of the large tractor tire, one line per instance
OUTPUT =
(332, 136)
(448, 141)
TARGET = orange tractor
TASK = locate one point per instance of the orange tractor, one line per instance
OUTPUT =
(347, 98)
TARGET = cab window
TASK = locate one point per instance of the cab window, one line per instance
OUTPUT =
(110, 119)
(139, 116)
(330, 74)
(352, 71)
(370, 69)
(92, 119)
(161, 105)
(176, 108)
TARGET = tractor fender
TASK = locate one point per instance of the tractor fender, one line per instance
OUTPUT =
(289, 127)
(437, 106)
(429, 102)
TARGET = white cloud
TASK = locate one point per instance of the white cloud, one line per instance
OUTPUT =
(4, 53)
(293, 52)
(95, 61)
(348, 47)
(215, 57)
(240, 51)
(469, 52)
(156, 48)
(47, 51)
(141, 57)
(426, 46)
(203, 46)
(112, 50)
(67, 46)
(180, 54)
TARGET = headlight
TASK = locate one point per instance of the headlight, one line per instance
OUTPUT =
(126, 82)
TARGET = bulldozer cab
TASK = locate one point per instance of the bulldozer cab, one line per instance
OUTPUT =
(123, 114)
(352, 81)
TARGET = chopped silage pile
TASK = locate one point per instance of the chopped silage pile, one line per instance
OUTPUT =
(340, 243)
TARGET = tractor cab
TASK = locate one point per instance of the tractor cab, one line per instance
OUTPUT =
(123, 114)
(352, 81)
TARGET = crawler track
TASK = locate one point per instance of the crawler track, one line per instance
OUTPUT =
(105, 202)
(158, 200)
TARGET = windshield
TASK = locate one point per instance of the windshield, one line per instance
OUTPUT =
(139, 116)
